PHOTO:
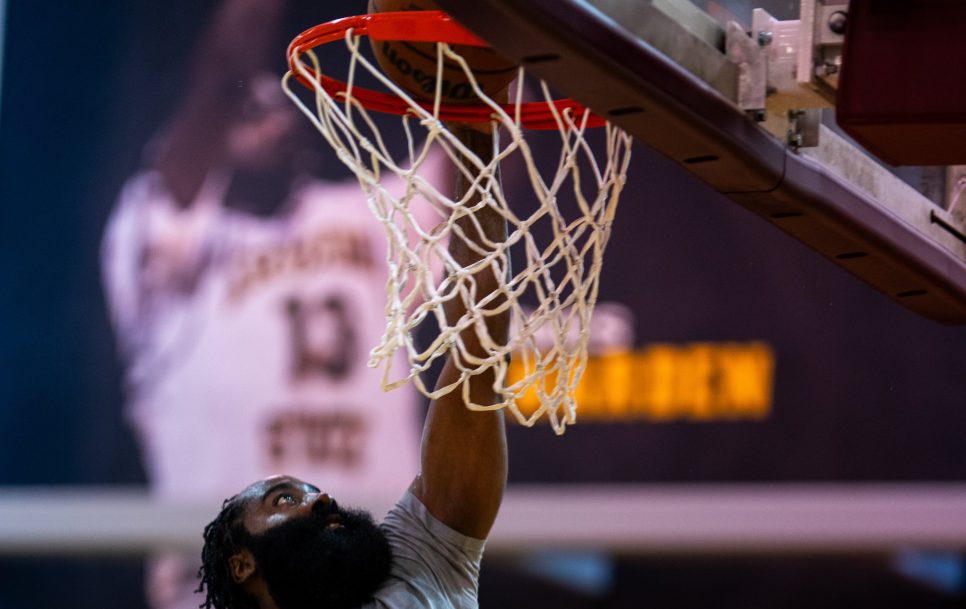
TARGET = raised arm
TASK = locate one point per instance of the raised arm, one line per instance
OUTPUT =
(236, 45)
(464, 456)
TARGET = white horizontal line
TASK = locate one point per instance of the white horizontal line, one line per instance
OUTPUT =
(614, 518)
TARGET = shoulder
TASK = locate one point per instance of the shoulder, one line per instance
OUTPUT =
(411, 518)
(433, 565)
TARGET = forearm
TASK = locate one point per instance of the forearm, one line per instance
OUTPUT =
(464, 452)
(485, 228)
(236, 45)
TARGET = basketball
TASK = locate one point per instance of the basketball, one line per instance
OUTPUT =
(413, 66)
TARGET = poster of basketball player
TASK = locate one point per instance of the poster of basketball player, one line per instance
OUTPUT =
(246, 293)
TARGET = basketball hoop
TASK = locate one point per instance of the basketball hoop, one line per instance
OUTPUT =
(413, 26)
(552, 296)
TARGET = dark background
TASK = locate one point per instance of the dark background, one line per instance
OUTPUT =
(864, 390)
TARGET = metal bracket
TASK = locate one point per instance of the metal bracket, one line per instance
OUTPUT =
(746, 53)
(803, 128)
(788, 46)
(823, 24)
(789, 69)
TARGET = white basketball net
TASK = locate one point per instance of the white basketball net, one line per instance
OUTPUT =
(551, 293)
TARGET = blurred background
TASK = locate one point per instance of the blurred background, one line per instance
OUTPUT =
(147, 170)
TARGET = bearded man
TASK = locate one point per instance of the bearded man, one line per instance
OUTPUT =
(285, 544)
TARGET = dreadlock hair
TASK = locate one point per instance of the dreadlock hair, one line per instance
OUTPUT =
(224, 537)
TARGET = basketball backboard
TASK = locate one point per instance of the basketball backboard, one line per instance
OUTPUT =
(740, 94)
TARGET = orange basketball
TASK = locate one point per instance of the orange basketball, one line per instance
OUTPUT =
(412, 65)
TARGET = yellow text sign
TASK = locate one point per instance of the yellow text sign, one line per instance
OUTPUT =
(663, 382)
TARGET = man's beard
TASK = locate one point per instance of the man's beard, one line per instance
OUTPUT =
(307, 565)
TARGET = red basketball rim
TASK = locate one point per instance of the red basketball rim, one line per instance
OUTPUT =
(420, 26)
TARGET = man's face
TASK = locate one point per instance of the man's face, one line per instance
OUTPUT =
(310, 551)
